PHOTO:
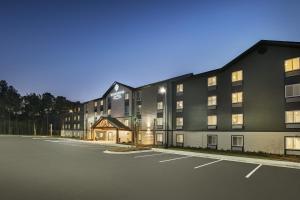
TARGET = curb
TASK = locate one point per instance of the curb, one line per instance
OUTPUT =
(129, 152)
(274, 163)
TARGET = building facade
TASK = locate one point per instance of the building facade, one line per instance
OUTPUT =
(250, 104)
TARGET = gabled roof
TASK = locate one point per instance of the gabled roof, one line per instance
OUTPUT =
(113, 122)
(257, 45)
(113, 85)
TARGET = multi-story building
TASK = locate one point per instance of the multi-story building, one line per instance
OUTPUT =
(250, 104)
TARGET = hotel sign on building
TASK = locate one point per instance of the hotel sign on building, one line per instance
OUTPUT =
(118, 93)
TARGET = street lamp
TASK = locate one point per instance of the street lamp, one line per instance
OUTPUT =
(163, 90)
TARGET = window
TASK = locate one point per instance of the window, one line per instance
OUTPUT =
(292, 64)
(237, 76)
(179, 105)
(109, 111)
(237, 140)
(66, 126)
(212, 101)
(159, 137)
(101, 112)
(179, 88)
(292, 90)
(75, 117)
(292, 143)
(179, 138)
(69, 126)
(212, 140)
(101, 103)
(95, 104)
(126, 122)
(212, 81)
(237, 119)
(179, 121)
(74, 126)
(126, 109)
(78, 126)
(126, 95)
(78, 117)
(237, 97)
(159, 121)
(78, 109)
(160, 105)
(292, 117)
(212, 120)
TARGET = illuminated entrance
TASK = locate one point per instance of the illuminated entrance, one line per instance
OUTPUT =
(111, 130)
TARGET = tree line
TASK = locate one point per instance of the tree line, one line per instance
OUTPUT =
(32, 113)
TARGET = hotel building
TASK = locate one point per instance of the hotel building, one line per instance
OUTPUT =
(250, 104)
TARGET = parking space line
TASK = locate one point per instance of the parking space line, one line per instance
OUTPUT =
(254, 170)
(208, 164)
(175, 159)
(151, 155)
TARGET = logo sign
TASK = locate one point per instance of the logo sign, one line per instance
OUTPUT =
(116, 87)
(117, 94)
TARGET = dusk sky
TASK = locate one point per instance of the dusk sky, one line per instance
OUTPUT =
(78, 49)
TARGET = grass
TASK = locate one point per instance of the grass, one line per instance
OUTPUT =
(261, 155)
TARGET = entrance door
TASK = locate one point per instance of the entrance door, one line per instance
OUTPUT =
(110, 136)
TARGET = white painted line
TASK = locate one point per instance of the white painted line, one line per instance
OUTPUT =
(208, 164)
(254, 170)
(151, 155)
(175, 159)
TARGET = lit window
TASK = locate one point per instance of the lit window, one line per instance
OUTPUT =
(237, 140)
(292, 90)
(292, 64)
(292, 143)
(78, 109)
(212, 120)
(126, 122)
(237, 97)
(212, 100)
(95, 104)
(237, 76)
(179, 121)
(159, 121)
(159, 137)
(179, 138)
(292, 117)
(212, 81)
(126, 96)
(109, 111)
(212, 140)
(101, 103)
(179, 105)
(237, 119)
(179, 88)
(160, 105)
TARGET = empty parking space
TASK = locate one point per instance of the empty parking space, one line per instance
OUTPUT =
(71, 169)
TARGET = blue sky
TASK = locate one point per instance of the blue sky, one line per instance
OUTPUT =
(79, 48)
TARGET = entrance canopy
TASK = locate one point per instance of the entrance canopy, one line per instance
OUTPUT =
(106, 123)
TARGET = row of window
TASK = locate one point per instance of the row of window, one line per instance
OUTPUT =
(76, 118)
(75, 126)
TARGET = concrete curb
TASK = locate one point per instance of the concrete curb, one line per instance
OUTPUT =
(129, 152)
(266, 162)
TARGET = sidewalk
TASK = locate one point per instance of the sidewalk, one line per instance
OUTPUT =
(275, 163)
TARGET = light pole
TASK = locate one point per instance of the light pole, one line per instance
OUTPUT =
(163, 91)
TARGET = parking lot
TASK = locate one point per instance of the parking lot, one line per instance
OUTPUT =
(49, 168)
